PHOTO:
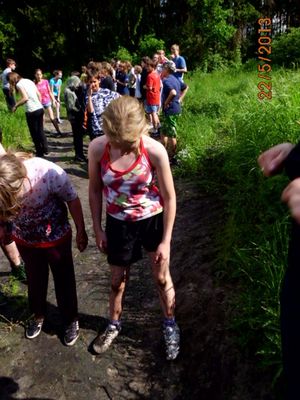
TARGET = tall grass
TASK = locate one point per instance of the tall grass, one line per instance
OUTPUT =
(222, 131)
(14, 128)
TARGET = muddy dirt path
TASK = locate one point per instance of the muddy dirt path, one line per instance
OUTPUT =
(135, 367)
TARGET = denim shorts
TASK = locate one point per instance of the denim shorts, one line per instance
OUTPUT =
(151, 109)
(125, 239)
(47, 105)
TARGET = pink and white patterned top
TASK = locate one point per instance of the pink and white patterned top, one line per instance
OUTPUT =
(131, 195)
(43, 219)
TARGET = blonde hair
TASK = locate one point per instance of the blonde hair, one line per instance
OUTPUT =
(12, 175)
(124, 121)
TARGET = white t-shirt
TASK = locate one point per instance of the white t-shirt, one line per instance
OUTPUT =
(33, 103)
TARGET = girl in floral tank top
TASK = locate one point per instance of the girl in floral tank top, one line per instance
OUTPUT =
(122, 165)
(131, 195)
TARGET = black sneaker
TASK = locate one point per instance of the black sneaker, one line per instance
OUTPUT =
(33, 329)
(80, 159)
(71, 333)
(19, 273)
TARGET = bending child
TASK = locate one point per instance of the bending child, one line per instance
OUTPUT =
(33, 193)
(122, 166)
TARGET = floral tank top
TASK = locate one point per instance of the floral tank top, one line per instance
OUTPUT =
(131, 195)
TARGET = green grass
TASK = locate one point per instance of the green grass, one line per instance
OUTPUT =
(14, 128)
(223, 129)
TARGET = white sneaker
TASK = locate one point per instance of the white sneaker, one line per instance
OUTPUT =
(104, 341)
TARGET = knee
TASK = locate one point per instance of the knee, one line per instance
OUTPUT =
(161, 281)
(118, 285)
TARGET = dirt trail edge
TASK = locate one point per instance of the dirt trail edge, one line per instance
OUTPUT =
(135, 367)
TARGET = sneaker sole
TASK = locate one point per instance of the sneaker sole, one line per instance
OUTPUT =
(73, 341)
(32, 336)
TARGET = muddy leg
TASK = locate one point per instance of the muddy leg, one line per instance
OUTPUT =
(119, 278)
(164, 284)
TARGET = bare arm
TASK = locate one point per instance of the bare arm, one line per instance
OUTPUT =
(51, 95)
(96, 149)
(169, 98)
(181, 70)
(160, 161)
(38, 94)
(77, 215)
(183, 93)
(58, 93)
(23, 99)
(90, 106)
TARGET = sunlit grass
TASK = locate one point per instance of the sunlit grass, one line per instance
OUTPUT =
(223, 129)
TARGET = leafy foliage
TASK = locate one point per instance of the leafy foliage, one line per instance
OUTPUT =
(149, 44)
(286, 48)
(8, 36)
(211, 33)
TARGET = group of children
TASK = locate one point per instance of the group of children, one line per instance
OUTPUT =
(157, 83)
(124, 164)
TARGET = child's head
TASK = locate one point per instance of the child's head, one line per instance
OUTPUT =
(13, 79)
(150, 65)
(10, 63)
(106, 69)
(93, 79)
(155, 58)
(138, 69)
(12, 175)
(38, 74)
(123, 67)
(57, 74)
(124, 122)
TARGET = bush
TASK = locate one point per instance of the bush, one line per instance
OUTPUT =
(123, 54)
(286, 48)
(149, 44)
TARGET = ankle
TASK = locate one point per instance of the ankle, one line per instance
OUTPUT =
(169, 321)
(116, 323)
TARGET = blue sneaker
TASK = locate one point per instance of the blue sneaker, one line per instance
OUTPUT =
(172, 341)
(71, 333)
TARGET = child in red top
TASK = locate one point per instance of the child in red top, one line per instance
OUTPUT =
(153, 86)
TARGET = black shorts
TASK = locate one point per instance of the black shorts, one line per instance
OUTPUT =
(125, 239)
